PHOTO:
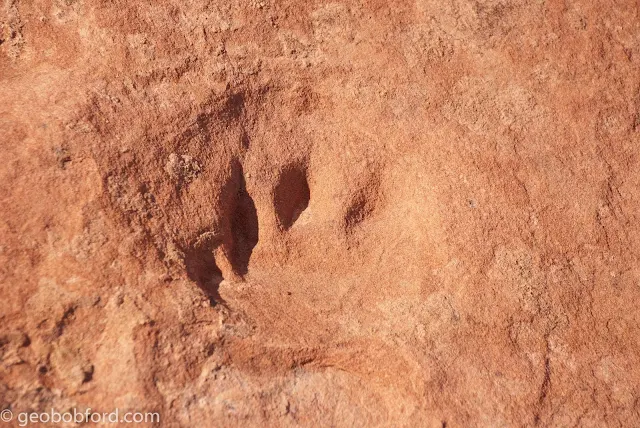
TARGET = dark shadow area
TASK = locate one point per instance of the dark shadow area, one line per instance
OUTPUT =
(363, 203)
(244, 225)
(358, 210)
(202, 269)
(239, 235)
(291, 196)
(234, 106)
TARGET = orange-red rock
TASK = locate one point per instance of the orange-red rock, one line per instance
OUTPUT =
(290, 213)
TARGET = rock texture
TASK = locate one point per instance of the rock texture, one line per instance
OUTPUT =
(306, 213)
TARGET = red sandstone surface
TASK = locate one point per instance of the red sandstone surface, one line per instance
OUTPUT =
(309, 213)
